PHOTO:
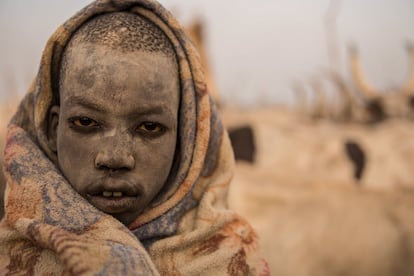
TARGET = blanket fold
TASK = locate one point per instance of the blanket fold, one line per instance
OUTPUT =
(187, 229)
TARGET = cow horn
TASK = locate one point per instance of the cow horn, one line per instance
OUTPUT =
(340, 85)
(348, 101)
(359, 78)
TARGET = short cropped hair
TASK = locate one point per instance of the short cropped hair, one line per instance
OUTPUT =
(124, 31)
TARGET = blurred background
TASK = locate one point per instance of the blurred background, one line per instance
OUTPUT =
(255, 50)
(318, 99)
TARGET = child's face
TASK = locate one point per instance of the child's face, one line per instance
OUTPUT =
(117, 126)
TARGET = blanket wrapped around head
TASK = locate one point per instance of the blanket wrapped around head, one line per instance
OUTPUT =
(187, 229)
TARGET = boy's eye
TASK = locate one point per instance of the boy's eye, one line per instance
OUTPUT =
(83, 122)
(151, 128)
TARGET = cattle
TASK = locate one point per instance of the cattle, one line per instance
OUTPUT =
(308, 227)
(373, 156)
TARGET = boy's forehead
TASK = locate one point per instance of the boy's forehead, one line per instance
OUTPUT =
(93, 62)
(95, 76)
(85, 54)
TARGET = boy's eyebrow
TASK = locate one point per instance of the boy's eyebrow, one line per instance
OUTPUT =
(91, 105)
(149, 110)
(85, 103)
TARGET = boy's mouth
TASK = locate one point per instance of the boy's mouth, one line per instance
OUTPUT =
(112, 194)
(113, 202)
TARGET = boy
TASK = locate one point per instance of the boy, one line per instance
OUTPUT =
(116, 161)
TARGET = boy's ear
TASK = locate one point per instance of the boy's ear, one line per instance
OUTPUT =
(53, 122)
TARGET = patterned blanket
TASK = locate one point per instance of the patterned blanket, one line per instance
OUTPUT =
(50, 229)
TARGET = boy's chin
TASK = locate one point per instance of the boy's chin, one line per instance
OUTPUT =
(123, 208)
(125, 218)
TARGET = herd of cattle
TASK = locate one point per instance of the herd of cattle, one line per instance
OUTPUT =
(328, 198)
(329, 189)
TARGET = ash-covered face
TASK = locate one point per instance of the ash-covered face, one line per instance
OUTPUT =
(116, 126)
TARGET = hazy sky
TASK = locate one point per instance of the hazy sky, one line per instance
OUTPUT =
(257, 48)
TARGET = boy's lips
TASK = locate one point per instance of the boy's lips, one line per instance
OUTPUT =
(113, 204)
(114, 188)
(112, 196)
(108, 193)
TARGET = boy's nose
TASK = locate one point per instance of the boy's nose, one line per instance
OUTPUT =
(114, 160)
